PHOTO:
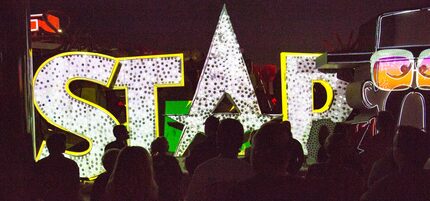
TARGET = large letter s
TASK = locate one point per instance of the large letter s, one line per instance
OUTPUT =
(57, 105)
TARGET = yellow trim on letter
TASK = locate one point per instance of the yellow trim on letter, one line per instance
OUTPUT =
(283, 65)
(108, 85)
(329, 91)
(74, 96)
(156, 86)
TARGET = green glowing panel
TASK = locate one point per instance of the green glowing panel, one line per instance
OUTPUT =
(171, 133)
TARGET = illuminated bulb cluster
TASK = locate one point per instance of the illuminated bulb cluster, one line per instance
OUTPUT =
(139, 76)
(301, 70)
(61, 108)
(224, 72)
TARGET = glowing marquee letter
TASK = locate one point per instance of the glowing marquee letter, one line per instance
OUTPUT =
(224, 74)
(299, 72)
(56, 103)
(140, 76)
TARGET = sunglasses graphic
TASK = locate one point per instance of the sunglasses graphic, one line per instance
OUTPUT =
(394, 70)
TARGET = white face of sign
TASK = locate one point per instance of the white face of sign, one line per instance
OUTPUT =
(299, 71)
(140, 76)
(224, 72)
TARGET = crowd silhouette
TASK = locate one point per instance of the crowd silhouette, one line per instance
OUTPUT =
(168, 173)
(210, 179)
(56, 177)
(274, 167)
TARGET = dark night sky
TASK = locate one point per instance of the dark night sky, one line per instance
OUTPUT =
(264, 27)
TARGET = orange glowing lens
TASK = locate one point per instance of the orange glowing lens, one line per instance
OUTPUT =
(423, 74)
(392, 72)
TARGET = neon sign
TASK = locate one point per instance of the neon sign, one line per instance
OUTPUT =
(299, 73)
(224, 74)
(394, 72)
(39, 22)
(399, 84)
(138, 76)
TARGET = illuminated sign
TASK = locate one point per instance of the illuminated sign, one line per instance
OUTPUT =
(399, 84)
(299, 73)
(34, 25)
(394, 72)
(49, 23)
(138, 76)
(224, 74)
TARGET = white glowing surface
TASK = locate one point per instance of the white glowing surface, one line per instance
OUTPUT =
(301, 70)
(70, 114)
(138, 75)
(224, 72)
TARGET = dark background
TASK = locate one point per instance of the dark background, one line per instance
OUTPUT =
(264, 28)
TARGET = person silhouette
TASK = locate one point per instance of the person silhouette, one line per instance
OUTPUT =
(379, 145)
(57, 177)
(381, 162)
(132, 177)
(206, 149)
(297, 157)
(410, 181)
(167, 172)
(270, 158)
(334, 179)
(323, 133)
(99, 186)
(121, 134)
(211, 178)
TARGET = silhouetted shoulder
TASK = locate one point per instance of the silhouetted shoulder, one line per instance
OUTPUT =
(59, 163)
(115, 145)
(400, 187)
(58, 177)
(262, 188)
(99, 186)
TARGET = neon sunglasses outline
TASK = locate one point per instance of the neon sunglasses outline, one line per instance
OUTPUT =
(396, 69)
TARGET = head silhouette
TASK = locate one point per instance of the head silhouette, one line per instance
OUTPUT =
(159, 146)
(120, 132)
(336, 145)
(341, 128)
(286, 126)
(385, 121)
(109, 159)
(323, 133)
(56, 143)
(211, 126)
(229, 137)
(270, 149)
(132, 177)
(411, 147)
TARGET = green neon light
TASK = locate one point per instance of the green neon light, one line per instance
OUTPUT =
(172, 134)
